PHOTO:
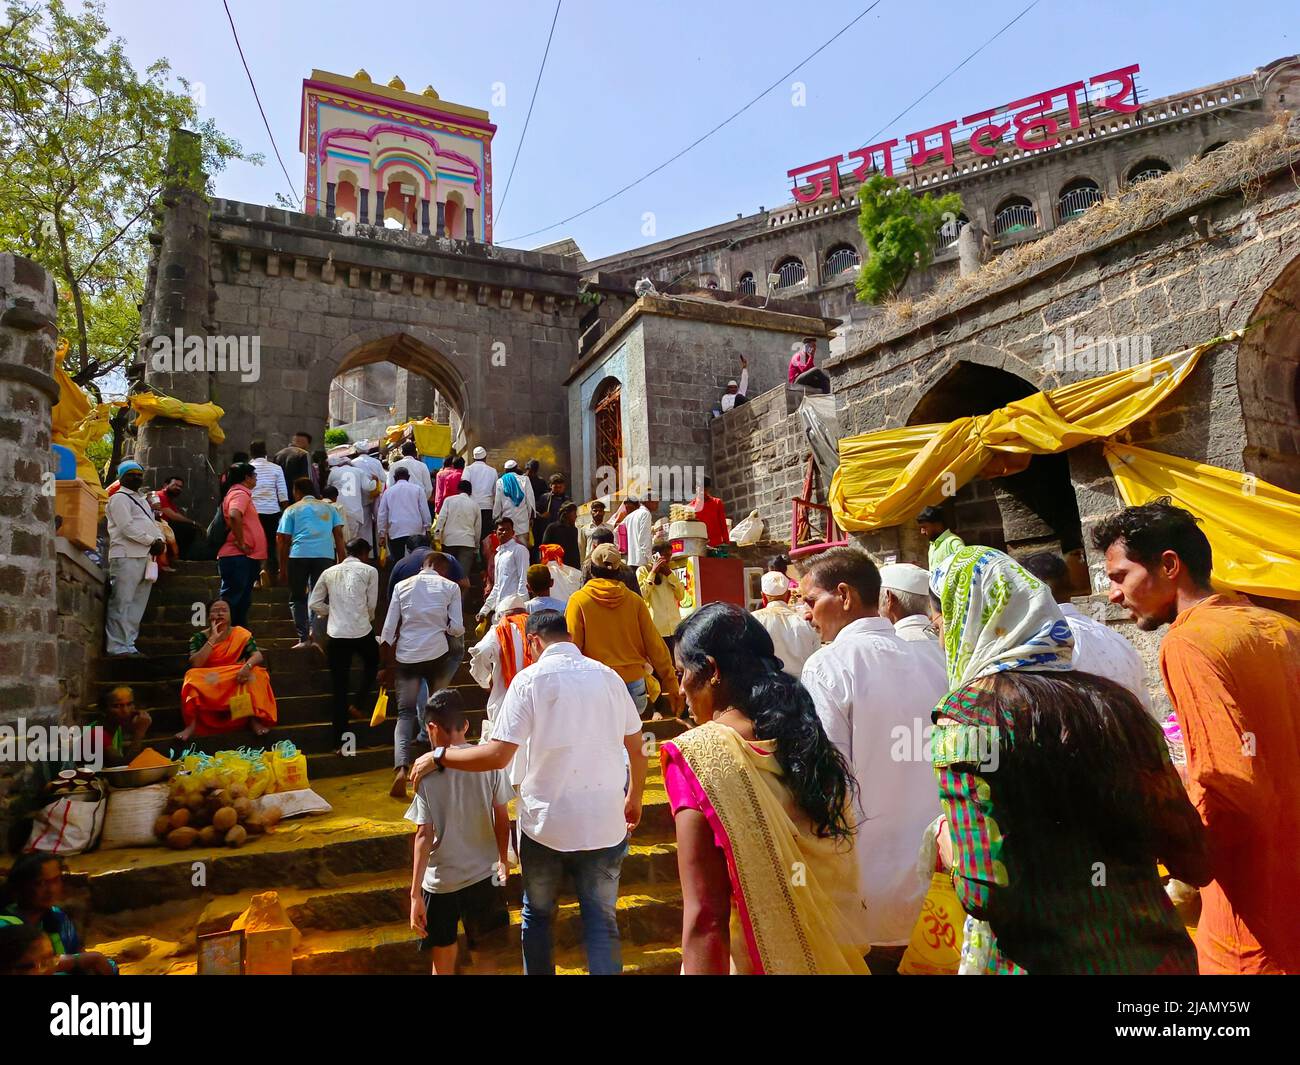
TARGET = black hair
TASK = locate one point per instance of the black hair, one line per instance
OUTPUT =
(465, 488)
(557, 478)
(1149, 530)
(446, 709)
(174, 477)
(538, 578)
(15, 941)
(661, 545)
(458, 463)
(409, 448)
(934, 514)
(602, 536)
(257, 448)
(1047, 566)
(416, 541)
(846, 565)
(1080, 760)
(358, 547)
(304, 485)
(239, 456)
(548, 624)
(330, 492)
(401, 474)
(318, 457)
(778, 563)
(240, 472)
(303, 432)
(25, 872)
(778, 705)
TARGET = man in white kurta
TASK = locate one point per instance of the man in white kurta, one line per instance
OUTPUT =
(485, 660)
(874, 693)
(793, 638)
(509, 569)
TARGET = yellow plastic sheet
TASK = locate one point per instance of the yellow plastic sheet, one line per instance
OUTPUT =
(76, 421)
(432, 438)
(1253, 526)
(886, 478)
(147, 405)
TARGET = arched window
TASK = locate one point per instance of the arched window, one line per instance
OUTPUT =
(950, 231)
(791, 271)
(1146, 170)
(1015, 215)
(607, 403)
(1213, 148)
(1076, 198)
(454, 216)
(747, 286)
(841, 259)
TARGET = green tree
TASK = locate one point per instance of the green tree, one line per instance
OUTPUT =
(83, 144)
(334, 437)
(900, 230)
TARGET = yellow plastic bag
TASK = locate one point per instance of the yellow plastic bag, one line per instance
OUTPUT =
(290, 771)
(241, 704)
(935, 946)
(380, 713)
(261, 779)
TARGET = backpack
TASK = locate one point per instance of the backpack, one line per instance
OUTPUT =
(217, 531)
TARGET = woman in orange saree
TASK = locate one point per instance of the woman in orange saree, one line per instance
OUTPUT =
(224, 662)
(761, 800)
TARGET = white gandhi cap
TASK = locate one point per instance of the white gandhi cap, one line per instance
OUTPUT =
(904, 577)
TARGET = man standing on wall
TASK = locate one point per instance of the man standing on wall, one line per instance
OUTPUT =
(133, 541)
(736, 390)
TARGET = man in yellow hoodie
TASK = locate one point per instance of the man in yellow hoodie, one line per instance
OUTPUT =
(612, 624)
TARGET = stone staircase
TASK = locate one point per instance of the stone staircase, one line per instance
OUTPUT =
(343, 877)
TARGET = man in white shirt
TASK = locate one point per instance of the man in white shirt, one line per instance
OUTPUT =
(483, 480)
(270, 496)
(585, 531)
(1098, 648)
(415, 467)
(369, 462)
(356, 487)
(736, 388)
(905, 601)
(423, 614)
(347, 594)
(638, 523)
(493, 666)
(458, 525)
(403, 513)
(874, 693)
(509, 568)
(133, 538)
(580, 736)
(513, 498)
(793, 638)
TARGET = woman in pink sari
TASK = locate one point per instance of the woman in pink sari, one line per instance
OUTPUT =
(761, 801)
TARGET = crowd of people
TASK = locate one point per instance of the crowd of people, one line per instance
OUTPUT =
(1041, 785)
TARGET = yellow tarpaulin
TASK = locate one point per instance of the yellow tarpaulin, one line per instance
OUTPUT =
(886, 478)
(432, 438)
(1253, 526)
(76, 421)
(147, 405)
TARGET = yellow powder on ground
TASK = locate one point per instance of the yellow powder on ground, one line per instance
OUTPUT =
(148, 759)
(265, 913)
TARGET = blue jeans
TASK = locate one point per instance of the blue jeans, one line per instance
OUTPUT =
(636, 689)
(595, 879)
(238, 575)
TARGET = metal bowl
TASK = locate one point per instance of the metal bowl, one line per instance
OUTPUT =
(123, 777)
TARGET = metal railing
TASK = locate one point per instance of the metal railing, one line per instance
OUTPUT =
(747, 286)
(950, 231)
(805, 536)
(841, 261)
(1076, 201)
(1015, 219)
(1147, 174)
(791, 274)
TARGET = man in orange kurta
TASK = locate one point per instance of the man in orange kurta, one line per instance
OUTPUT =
(1232, 670)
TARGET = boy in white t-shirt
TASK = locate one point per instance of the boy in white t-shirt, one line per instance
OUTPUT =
(461, 862)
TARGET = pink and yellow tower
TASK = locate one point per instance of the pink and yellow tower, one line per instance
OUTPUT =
(379, 155)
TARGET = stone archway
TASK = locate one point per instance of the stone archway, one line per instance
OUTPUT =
(1032, 510)
(426, 370)
(1268, 381)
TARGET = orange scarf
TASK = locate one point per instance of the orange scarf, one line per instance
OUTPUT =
(510, 663)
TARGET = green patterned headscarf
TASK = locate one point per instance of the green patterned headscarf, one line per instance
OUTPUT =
(997, 616)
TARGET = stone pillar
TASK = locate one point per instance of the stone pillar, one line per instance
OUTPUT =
(424, 216)
(379, 207)
(365, 206)
(29, 683)
(469, 223)
(973, 248)
(442, 219)
(179, 301)
(329, 200)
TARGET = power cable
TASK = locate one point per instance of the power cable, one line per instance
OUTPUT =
(527, 118)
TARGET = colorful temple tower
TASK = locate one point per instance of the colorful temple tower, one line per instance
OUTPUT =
(379, 155)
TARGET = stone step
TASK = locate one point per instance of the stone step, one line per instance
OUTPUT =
(646, 917)
(292, 673)
(170, 664)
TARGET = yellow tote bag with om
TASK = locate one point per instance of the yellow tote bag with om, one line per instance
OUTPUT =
(935, 946)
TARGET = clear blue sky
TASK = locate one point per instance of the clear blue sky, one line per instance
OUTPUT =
(627, 85)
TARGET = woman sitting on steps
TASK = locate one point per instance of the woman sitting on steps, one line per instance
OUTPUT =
(225, 663)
